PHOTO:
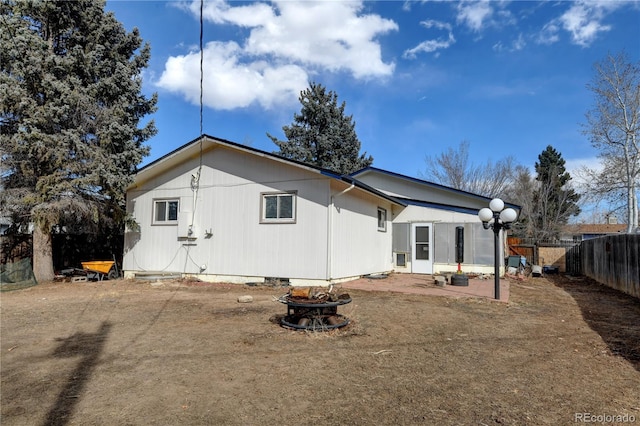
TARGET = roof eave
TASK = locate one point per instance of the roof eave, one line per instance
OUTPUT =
(194, 148)
(431, 184)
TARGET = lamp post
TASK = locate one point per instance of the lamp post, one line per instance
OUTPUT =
(496, 217)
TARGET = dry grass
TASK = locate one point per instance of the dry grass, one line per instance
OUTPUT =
(185, 353)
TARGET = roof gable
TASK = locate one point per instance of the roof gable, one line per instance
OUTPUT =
(204, 143)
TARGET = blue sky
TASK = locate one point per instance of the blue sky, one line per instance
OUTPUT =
(418, 77)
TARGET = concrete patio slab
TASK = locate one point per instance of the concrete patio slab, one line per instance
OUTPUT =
(426, 284)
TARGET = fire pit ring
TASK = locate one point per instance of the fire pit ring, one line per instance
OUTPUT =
(314, 315)
(315, 323)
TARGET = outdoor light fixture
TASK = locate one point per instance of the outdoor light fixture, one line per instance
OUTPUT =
(496, 217)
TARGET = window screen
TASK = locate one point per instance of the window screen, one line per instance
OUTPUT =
(401, 237)
(483, 247)
(478, 243)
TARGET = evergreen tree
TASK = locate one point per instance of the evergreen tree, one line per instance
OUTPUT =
(321, 135)
(70, 107)
(554, 201)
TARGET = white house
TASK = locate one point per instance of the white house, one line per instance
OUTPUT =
(424, 231)
(252, 215)
(222, 211)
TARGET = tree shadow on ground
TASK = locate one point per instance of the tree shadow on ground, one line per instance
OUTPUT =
(87, 346)
(614, 315)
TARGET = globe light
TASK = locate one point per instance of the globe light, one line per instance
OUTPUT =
(497, 218)
(485, 214)
(508, 215)
(496, 205)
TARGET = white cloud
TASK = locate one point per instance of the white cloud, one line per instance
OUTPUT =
(429, 46)
(329, 35)
(583, 21)
(514, 46)
(287, 41)
(549, 33)
(475, 14)
(478, 15)
(228, 83)
(505, 17)
(575, 165)
(432, 45)
(519, 43)
(432, 23)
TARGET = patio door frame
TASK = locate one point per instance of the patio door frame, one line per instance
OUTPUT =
(420, 265)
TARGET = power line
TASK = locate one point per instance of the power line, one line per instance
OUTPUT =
(201, 64)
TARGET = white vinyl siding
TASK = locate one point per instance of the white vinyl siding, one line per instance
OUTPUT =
(357, 247)
(231, 240)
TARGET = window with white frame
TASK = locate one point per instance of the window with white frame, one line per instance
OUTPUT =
(278, 207)
(382, 219)
(165, 212)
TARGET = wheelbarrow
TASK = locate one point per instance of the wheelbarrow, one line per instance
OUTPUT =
(100, 269)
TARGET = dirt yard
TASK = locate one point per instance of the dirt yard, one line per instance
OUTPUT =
(181, 353)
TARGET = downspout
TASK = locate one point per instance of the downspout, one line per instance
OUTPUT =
(330, 227)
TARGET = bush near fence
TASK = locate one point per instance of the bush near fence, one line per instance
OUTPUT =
(614, 261)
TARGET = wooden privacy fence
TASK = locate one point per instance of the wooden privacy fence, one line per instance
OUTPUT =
(564, 255)
(573, 259)
(614, 260)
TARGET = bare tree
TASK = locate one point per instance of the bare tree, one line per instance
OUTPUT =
(521, 193)
(612, 127)
(453, 168)
(604, 187)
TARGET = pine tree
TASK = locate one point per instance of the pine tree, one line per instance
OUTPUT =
(554, 201)
(321, 135)
(70, 107)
